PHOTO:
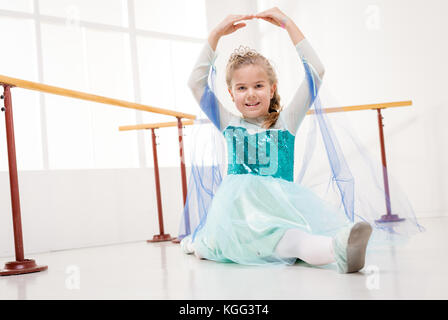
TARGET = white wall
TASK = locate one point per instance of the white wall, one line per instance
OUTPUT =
(373, 51)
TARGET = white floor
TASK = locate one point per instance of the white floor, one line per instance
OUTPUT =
(161, 271)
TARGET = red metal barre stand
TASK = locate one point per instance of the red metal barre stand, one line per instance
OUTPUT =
(183, 175)
(162, 236)
(21, 265)
(388, 217)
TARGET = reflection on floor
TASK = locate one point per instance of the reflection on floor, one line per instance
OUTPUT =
(161, 271)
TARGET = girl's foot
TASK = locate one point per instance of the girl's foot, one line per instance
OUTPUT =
(349, 247)
(187, 245)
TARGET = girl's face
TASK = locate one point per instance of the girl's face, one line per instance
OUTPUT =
(251, 91)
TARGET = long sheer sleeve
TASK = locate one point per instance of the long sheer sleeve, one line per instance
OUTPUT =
(204, 95)
(296, 110)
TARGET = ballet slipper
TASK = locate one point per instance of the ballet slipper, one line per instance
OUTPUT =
(349, 247)
(197, 255)
(186, 245)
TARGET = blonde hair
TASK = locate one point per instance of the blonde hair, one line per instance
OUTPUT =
(245, 56)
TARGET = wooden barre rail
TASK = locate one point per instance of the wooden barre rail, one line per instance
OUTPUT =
(155, 125)
(24, 84)
(373, 106)
(22, 265)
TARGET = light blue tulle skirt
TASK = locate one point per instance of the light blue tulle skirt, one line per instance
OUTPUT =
(250, 213)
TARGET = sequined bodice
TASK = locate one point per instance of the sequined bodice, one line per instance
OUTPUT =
(265, 153)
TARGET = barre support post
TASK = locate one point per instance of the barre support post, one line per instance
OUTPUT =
(183, 175)
(388, 217)
(162, 236)
(21, 265)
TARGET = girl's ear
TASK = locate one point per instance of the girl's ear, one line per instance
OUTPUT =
(230, 94)
(273, 88)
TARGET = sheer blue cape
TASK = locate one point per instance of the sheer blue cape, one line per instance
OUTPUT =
(353, 183)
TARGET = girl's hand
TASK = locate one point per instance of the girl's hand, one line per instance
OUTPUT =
(278, 18)
(274, 16)
(230, 25)
(227, 26)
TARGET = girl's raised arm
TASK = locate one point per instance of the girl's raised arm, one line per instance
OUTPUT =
(198, 81)
(295, 112)
(304, 97)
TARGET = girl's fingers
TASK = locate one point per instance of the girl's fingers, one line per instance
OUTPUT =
(240, 17)
(266, 13)
(230, 24)
(239, 26)
(273, 13)
(233, 27)
(268, 18)
(271, 20)
(246, 17)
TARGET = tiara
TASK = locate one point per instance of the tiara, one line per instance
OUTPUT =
(242, 51)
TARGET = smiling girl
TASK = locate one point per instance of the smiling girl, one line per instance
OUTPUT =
(259, 215)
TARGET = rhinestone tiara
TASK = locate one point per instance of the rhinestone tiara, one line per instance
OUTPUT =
(242, 51)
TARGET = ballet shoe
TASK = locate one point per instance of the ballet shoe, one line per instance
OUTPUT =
(186, 245)
(349, 247)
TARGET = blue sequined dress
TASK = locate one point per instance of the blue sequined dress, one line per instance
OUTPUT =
(257, 201)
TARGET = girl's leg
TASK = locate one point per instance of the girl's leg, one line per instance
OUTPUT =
(313, 249)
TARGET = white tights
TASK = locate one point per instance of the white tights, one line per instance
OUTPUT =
(313, 249)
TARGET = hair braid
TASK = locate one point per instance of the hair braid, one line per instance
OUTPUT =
(274, 111)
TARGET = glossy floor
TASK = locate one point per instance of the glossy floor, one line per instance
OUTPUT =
(161, 271)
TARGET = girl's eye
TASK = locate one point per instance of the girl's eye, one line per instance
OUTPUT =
(259, 86)
(240, 88)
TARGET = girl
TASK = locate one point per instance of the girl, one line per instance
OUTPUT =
(259, 215)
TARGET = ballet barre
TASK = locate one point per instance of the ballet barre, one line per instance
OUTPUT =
(22, 265)
(374, 106)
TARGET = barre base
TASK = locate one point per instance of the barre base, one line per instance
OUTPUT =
(21, 267)
(160, 238)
